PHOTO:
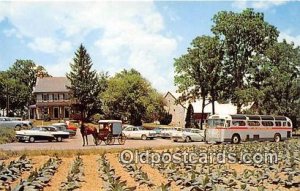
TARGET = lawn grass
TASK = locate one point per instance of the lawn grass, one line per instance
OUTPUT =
(7, 135)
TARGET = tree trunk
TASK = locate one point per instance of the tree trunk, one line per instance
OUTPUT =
(213, 102)
(239, 107)
(203, 106)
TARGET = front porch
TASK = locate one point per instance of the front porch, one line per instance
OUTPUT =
(52, 112)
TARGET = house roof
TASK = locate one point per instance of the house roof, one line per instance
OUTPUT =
(51, 84)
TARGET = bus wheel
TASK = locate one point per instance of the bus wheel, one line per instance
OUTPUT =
(236, 139)
(277, 137)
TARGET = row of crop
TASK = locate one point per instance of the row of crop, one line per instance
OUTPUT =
(13, 171)
(75, 176)
(38, 179)
(219, 177)
(284, 172)
(111, 181)
(207, 177)
(138, 175)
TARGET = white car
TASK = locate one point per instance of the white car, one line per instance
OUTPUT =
(168, 132)
(188, 135)
(139, 133)
(48, 133)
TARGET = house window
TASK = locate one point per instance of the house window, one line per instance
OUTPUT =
(55, 96)
(66, 97)
(45, 97)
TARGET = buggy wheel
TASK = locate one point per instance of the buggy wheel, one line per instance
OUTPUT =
(122, 139)
(97, 141)
(110, 139)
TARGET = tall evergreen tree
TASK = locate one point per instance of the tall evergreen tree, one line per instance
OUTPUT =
(84, 81)
(189, 118)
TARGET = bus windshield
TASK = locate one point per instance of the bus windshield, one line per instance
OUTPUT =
(213, 123)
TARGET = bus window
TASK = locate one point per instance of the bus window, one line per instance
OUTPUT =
(278, 123)
(267, 123)
(253, 123)
(289, 124)
(238, 123)
(284, 124)
(213, 123)
(227, 123)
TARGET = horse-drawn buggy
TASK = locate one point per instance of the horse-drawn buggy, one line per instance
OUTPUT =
(108, 131)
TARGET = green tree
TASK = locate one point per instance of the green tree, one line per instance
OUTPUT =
(189, 118)
(17, 85)
(281, 86)
(198, 74)
(245, 35)
(154, 106)
(128, 96)
(25, 72)
(84, 86)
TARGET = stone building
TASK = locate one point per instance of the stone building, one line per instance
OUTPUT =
(179, 110)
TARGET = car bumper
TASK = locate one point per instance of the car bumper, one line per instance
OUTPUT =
(178, 138)
(22, 137)
(165, 135)
(151, 135)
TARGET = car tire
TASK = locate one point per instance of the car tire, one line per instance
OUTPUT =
(59, 139)
(236, 139)
(144, 137)
(277, 138)
(31, 139)
(188, 139)
(17, 128)
(175, 140)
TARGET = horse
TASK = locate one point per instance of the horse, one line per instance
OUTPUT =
(87, 130)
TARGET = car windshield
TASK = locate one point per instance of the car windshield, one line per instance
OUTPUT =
(213, 123)
(35, 128)
(141, 128)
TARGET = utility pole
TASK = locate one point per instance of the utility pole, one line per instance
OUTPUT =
(7, 101)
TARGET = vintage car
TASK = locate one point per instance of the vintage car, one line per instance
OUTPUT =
(188, 135)
(25, 123)
(168, 132)
(48, 133)
(137, 132)
(64, 127)
(14, 122)
(10, 123)
(71, 125)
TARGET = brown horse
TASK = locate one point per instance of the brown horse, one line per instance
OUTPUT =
(87, 130)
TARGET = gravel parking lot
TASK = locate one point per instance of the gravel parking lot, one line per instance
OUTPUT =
(76, 143)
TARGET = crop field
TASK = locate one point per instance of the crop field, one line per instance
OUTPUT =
(104, 171)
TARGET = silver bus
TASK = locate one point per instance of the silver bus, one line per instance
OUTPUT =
(237, 128)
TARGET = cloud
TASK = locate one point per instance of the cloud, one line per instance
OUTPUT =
(60, 68)
(49, 45)
(125, 35)
(289, 38)
(263, 5)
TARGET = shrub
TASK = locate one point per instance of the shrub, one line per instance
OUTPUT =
(7, 135)
(96, 117)
(165, 118)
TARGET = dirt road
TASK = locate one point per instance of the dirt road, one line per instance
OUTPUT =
(75, 143)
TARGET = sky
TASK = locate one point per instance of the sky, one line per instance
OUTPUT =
(144, 35)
